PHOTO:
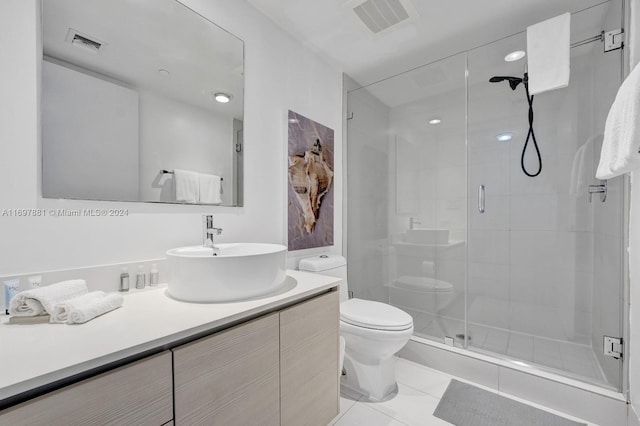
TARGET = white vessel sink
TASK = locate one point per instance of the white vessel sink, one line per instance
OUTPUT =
(427, 236)
(238, 271)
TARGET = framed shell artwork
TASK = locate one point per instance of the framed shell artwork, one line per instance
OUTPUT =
(310, 192)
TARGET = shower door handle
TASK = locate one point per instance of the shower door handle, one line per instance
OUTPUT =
(481, 198)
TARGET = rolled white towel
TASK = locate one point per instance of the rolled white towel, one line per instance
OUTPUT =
(86, 307)
(40, 301)
(61, 311)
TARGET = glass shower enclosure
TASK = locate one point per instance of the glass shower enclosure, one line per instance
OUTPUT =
(443, 222)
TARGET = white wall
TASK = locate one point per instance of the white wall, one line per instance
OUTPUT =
(89, 125)
(175, 135)
(280, 74)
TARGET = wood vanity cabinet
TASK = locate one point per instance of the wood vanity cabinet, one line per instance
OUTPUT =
(278, 369)
(139, 393)
(309, 386)
(230, 378)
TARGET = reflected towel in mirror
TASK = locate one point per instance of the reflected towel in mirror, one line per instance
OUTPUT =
(210, 189)
(187, 185)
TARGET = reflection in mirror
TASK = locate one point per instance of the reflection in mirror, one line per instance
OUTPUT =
(129, 109)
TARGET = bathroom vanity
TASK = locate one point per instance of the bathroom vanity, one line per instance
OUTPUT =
(157, 361)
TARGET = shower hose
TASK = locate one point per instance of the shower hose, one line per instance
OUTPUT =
(531, 134)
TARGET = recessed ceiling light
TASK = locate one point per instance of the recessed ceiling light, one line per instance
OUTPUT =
(504, 137)
(435, 121)
(163, 72)
(515, 56)
(223, 98)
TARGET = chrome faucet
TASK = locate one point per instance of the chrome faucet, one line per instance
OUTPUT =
(413, 221)
(208, 231)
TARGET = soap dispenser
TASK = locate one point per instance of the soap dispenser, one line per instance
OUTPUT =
(124, 279)
(140, 278)
(154, 275)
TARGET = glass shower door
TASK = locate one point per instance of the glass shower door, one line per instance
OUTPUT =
(406, 223)
(545, 262)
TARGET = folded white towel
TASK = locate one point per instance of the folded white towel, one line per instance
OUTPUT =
(41, 300)
(548, 53)
(621, 145)
(187, 185)
(210, 186)
(86, 307)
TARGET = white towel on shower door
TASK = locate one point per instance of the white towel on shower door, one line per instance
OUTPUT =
(548, 53)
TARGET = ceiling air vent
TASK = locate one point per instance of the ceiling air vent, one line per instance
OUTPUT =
(83, 41)
(378, 15)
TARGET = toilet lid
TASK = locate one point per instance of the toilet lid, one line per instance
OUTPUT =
(375, 315)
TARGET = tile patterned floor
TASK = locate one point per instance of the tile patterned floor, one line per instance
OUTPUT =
(420, 390)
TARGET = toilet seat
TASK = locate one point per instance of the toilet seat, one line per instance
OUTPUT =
(374, 315)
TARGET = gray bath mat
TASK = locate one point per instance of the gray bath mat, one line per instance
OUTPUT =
(466, 405)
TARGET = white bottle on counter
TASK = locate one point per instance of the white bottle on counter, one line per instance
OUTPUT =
(140, 278)
(154, 275)
(124, 279)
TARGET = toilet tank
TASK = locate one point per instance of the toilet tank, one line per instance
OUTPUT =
(332, 265)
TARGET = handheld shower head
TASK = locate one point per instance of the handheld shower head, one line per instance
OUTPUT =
(513, 81)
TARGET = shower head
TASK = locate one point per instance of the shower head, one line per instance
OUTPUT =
(513, 81)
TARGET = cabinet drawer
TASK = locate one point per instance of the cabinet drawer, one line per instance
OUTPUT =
(230, 378)
(138, 393)
(309, 361)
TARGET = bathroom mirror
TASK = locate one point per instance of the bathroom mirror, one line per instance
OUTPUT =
(128, 103)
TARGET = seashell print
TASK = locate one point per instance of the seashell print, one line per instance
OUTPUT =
(311, 177)
(310, 190)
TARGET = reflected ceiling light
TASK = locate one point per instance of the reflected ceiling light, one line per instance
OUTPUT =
(515, 56)
(504, 137)
(435, 121)
(223, 98)
(293, 120)
(163, 72)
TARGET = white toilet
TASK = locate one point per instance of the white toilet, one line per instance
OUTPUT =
(373, 331)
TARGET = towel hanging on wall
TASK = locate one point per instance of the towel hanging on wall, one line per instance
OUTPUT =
(621, 146)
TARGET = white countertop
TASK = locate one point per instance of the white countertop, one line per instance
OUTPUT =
(34, 355)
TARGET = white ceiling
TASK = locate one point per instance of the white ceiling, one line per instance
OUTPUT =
(443, 27)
